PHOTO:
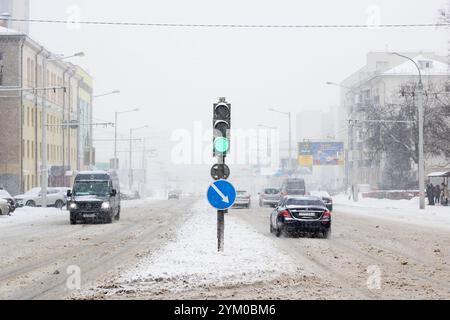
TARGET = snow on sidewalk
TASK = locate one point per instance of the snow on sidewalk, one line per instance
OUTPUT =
(406, 211)
(33, 214)
(192, 258)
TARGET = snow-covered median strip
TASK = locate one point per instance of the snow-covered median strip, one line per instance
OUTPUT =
(406, 211)
(191, 259)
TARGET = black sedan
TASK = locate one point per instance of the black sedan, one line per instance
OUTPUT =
(301, 215)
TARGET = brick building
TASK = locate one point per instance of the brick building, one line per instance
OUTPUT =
(24, 67)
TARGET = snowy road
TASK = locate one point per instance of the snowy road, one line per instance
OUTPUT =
(169, 252)
(39, 249)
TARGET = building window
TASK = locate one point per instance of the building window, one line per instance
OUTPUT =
(28, 149)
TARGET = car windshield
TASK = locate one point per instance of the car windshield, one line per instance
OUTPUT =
(304, 202)
(96, 188)
(271, 191)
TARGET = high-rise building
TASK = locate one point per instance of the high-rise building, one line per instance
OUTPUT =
(16, 9)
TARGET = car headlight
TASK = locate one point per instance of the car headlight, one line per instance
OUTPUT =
(73, 205)
(105, 205)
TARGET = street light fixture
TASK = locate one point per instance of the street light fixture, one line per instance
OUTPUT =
(116, 114)
(130, 174)
(421, 139)
(290, 134)
(107, 94)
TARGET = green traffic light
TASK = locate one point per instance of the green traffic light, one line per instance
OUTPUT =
(221, 144)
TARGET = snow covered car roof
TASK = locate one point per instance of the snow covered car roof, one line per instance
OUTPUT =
(439, 174)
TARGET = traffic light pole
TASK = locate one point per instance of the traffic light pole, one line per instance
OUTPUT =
(221, 217)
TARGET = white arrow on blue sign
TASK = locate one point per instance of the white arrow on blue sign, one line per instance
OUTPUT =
(221, 194)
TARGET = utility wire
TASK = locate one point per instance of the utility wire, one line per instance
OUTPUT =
(248, 26)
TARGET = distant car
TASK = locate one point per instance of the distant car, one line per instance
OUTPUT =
(4, 208)
(33, 198)
(269, 197)
(301, 215)
(243, 199)
(5, 195)
(327, 199)
(293, 186)
(174, 194)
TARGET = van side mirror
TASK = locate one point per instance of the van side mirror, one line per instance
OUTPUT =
(69, 193)
(113, 192)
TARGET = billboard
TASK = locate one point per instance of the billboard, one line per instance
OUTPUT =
(320, 154)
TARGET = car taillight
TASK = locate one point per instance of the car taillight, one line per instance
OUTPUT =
(326, 215)
(285, 214)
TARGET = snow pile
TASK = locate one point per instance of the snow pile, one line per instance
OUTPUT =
(192, 258)
(32, 214)
(398, 210)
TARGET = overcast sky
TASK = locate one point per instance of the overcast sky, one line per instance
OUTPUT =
(174, 74)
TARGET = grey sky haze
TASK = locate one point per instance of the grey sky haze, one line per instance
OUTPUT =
(175, 74)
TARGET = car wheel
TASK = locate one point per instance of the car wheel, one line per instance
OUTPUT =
(59, 204)
(278, 231)
(271, 228)
(30, 203)
(326, 234)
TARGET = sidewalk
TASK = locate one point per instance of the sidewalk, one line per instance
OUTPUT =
(406, 211)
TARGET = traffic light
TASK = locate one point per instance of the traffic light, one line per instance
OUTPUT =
(221, 126)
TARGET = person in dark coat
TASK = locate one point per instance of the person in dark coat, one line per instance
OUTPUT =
(437, 194)
(430, 194)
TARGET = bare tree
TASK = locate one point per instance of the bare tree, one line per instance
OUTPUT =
(393, 143)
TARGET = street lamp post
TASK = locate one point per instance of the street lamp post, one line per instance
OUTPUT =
(420, 114)
(268, 142)
(290, 134)
(44, 169)
(116, 114)
(130, 174)
(351, 142)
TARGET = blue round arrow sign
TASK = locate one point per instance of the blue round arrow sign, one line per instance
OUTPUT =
(221, 194)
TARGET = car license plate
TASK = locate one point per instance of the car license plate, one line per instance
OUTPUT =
(89, 215)
(307, 214)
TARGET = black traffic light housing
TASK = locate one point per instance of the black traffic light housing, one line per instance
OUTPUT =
(221, 124)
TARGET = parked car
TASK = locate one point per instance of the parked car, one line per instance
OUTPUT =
(269, 197)
(33, 198)
(95, 196)
(326, 198)
(5, 195)
(301, 215)
(243, 199)
(4, 208)
(174, 194)
(293, 186)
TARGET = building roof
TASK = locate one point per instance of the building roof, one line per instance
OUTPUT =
(437, 68)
